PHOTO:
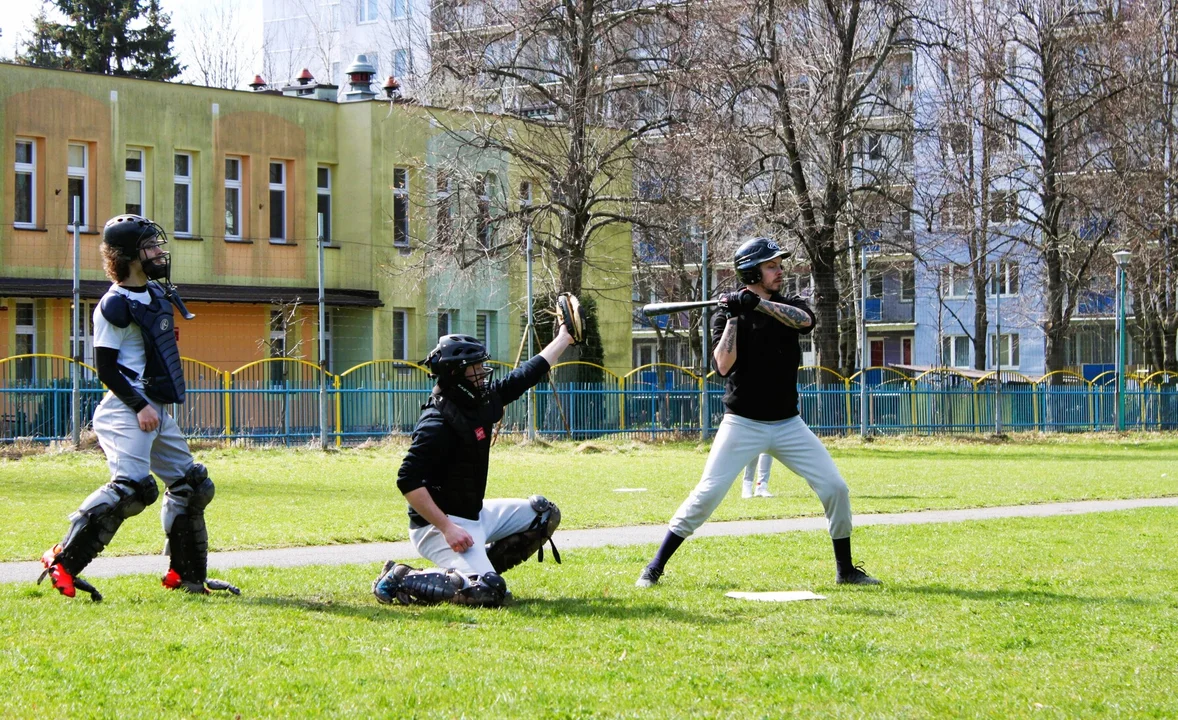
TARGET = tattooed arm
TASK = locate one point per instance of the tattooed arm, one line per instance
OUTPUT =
(787, 314)
(725, 352)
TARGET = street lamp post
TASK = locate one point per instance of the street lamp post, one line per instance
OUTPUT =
(1122, 258)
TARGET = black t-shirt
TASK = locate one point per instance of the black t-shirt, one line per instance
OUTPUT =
(449, 456)
(763, 383)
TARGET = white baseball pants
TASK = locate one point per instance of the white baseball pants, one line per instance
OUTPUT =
(497, 520)
(738, 442)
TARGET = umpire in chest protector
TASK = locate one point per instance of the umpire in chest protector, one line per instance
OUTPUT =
(755, 334)
(444, 479)
(139, 362)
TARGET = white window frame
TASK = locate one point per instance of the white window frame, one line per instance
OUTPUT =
(444, 215)
(400, 9)
(139, 176)
(323, 194)
(447, 319)
(367, 11)
(400, 63)
(1004, 275)
(81, 172)
(951, 282)
(1009, 347)
(29, 329)
(485, 217)
(401, 317)
(955, 213)
(279, 187)
(401, 198)
(182, 181)
(30, 169)
(907, 289)
(950, 343)
(328, 345)
(235, 187)
(1006, 211)
(87, 337)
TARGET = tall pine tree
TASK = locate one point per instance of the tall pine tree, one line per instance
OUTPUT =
(131, 38)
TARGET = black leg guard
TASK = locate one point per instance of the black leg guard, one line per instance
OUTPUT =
(188, 538)
(486, 590)
(514, 549)
(98, 519)
(410, 586)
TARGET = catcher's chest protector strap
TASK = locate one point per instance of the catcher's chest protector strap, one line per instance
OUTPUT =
(163, 376)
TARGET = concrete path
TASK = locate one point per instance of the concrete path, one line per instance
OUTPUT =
(599, 537)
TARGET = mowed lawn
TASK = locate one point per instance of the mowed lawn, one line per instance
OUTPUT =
(1059, 617)
(282, 498)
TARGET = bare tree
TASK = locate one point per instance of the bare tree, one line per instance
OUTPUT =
(221, 56)
(1062, 76)
(807, 83)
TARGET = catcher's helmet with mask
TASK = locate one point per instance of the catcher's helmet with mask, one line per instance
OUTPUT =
(131, 233)
(448, 362)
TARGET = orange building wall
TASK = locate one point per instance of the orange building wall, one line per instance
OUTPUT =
(225, 335)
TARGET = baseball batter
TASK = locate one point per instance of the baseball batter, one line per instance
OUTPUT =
(472, 541)
(755, 335)
(138, 360)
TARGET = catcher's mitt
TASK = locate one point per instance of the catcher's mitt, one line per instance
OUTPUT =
(568, 313)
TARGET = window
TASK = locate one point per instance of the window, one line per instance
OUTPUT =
(278, 200)
(445, 210)
(368, 13)
(401, 207)
(25, 203)
(907, 284)
(233, 182)
(447, 319)
(486, 226)
(955, 138)
(277, 347)
(955, 351)
(955, 212)
(86, 339)
(484, 329)
(323, 202)
(182, 194)
(400, 335)
(400, 9)
(1006, 352)
(400, 63)
(135, 181)
(875, 284)
(25, 341)
(1004, 207)
(78, 184)
(1004, 278)
(326, 362)
(906, 351)
(955, 281)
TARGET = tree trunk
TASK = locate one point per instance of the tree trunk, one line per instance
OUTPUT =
(826, 293)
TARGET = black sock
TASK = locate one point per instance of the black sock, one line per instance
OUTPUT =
(842, 554)
(670, 544)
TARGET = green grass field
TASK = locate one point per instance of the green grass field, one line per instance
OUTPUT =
(1057, 618)
(282, 498)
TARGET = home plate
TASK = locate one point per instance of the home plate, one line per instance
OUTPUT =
(629, 489)
(780, 596)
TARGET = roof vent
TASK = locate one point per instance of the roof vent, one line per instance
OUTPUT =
(360, 74)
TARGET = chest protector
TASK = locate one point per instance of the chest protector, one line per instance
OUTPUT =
(163, 375)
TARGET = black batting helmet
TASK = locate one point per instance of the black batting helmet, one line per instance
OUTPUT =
(448, 362)
(128, 234)
(751, 254)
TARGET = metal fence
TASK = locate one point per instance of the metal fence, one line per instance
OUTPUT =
(277, 401)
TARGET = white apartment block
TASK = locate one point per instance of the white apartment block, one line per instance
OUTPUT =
(324, 36)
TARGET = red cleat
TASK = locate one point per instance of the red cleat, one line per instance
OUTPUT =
(172, 581)
(62, 581)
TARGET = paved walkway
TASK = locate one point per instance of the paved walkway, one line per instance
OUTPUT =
(598, 537)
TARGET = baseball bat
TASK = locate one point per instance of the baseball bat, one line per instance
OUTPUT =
(668, 308)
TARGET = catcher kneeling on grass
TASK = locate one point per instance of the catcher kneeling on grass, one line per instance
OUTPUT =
(444, 478)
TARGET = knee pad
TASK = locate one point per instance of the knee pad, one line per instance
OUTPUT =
(486, 590)
(99, 517)
(514, 549)
(202, 488)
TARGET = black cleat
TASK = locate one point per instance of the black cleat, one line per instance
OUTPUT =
(856, 576)
(649, 577)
